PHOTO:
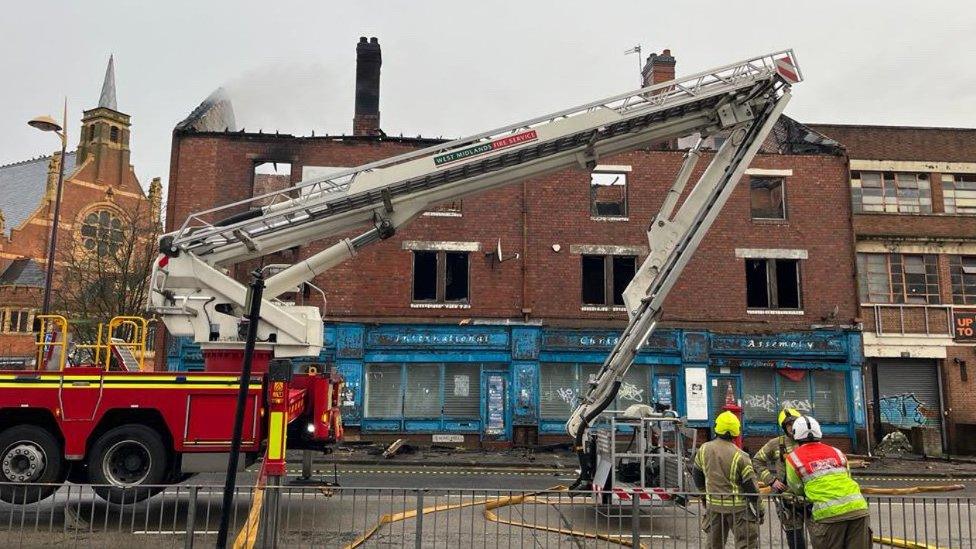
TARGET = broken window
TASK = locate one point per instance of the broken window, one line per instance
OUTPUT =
(898, 278)
(891, 192)
(608, 194)
(767, 197)
(440, 276)
(605, 277)
(773, 284)
(269, 177)
(446, 209)
(424, 276)
(962, 271)
(959, 193)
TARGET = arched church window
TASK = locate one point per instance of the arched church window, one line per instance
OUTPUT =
(114, 135)
(102, 232)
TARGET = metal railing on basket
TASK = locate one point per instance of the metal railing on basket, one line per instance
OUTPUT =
(340, 517)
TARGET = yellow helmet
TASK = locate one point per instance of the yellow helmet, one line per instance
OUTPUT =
(786, 413)
(727, 423)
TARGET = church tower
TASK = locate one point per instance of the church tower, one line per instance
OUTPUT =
(105, 134)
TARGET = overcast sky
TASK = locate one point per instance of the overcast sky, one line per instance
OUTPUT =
(456, 67)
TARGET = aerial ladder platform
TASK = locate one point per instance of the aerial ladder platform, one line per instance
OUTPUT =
(195, 295)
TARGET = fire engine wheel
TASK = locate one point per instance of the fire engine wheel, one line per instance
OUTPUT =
(29, 455)
(129, 462)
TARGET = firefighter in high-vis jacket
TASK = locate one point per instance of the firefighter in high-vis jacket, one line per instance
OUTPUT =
(838, 515)
(770, 466)
(726, 473)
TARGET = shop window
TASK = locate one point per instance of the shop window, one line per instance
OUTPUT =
(605, 277)
(423, 391)
(608, 194)
(822, 393)
(422, 396)
(16, 321)
(891, 192)
(462, 390)
(558, 390)
(767, 197)
(773, 284)
(830, 396)
(759, 403)
(440, 277)
(719, 391)
(959, 193)
(563, 386)
(898, 278)
(962, 271)
(384, 391)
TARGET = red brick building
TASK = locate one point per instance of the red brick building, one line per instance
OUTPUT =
(913, 192)
(764, 311)
(100, 191)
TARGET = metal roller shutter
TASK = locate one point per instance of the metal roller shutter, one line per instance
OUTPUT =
(384, 390)
(909, 393)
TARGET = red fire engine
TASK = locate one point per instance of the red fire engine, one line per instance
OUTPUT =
(110, 423)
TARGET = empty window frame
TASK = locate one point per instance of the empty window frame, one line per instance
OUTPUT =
(898, 278)
(440, 277)
(891, 192)
(768, 197)
(608, 194)
(446, 209)
(269, 177)
(773, 284)
(605, 277)
(962, 271)
(959, 193)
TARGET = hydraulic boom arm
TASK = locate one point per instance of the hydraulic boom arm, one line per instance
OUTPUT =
(195, 296)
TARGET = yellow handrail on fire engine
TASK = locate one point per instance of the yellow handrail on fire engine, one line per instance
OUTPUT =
(136, 343)
(42, 343)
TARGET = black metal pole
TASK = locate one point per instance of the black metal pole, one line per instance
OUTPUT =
(254, 294)
(53, 242)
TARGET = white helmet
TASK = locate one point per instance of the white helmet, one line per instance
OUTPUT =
(806, 429)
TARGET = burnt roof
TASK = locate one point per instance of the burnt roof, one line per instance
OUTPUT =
(903, 142)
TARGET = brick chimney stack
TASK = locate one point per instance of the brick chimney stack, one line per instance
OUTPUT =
(368, 62)
(659, 68)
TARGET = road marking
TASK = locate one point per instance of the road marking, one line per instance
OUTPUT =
(431, 472)
(917, 479)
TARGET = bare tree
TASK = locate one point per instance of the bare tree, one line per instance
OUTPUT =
(104, 268)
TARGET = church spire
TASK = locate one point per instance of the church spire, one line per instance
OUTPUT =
(107, 99)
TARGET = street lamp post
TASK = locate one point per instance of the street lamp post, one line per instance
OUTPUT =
(47, 124)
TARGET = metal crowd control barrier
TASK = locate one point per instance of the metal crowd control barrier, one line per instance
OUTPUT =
(187, 516)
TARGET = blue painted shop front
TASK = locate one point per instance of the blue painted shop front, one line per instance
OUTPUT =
(492, 379)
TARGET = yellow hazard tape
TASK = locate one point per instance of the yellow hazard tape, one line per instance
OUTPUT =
(902, 543)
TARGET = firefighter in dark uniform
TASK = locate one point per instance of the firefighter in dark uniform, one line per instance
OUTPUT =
(726, 473)
(770, 465)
